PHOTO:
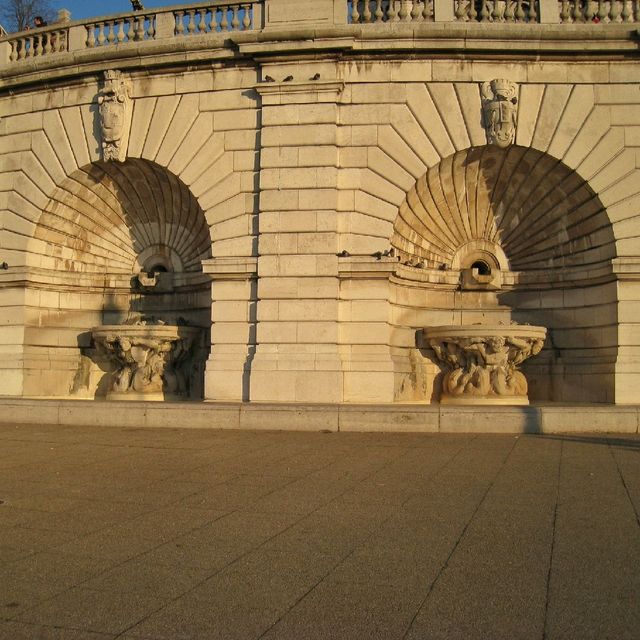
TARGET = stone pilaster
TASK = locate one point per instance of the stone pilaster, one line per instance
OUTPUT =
(627, 373)
(233, 315)
(297, 356)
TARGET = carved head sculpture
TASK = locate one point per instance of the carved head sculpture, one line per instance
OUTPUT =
(500, 111)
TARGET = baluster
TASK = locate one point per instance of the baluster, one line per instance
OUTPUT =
(139, 27)
(246, 20)
(224, 22)
(533, 15)
(58, 41)
(519, 13)
(484, 11)
(416, 12)
(509, 12)
(624, 13)
(427, 10)
(90, 42)
(179, 15)
(496, 13)
(577, 11)
(355, 16)
(28, 46)
(21, 46)
(202, 25)
(403, 13)
(235, 21)
(602, 10)
(366, 11)
(151, 31)
(120, 36)
(472, 12)
(614, 11)
(111, 37)
(101, 38)
(13, 56)
(191, 26)
(588, 11)
(392, 13)
(461, 10)
(49, 39)
(37, 45)
(564, 11)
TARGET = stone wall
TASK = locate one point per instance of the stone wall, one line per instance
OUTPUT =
(299, 153)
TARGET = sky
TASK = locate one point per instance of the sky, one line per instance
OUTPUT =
(81, 9)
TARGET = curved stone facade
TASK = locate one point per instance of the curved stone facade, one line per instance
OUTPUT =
(316, 189)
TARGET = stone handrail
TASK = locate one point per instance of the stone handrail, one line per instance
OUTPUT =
(222, 16)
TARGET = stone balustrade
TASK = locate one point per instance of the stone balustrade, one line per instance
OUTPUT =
(166, 22)
(217, 17)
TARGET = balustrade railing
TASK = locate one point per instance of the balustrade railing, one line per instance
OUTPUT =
(216, 18)
(496, 11)
(223, 16)
(31, 44)
(366, 11)
(599, 11)
(132, 28)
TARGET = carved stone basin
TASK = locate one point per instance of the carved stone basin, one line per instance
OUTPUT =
(480, 362)
(151, 361)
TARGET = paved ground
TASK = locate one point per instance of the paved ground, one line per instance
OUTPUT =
(171, 534)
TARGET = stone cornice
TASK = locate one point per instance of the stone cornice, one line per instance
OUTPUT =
(469, 41)
(232, 268)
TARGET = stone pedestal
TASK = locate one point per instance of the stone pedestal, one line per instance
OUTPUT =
(481, 362)
(149, 360)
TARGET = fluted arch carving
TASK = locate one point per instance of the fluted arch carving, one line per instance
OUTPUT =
(106, 217)
(538, 211)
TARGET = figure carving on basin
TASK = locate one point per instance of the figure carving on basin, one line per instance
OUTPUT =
(149, 359)
(481, 362)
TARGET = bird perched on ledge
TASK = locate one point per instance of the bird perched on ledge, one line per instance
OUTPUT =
(137, 5)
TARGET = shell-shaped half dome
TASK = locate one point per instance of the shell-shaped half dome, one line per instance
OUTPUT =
(120, 218)
(530, 206)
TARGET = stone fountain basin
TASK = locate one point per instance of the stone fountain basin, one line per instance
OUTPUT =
(145, 331)
(480, 363)
(145, 356)
(485, 331)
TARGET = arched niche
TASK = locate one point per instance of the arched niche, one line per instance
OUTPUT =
(543, 234)
(116, 243)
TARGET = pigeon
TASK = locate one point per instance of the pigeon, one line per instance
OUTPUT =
(343, 254)
(316, 77)
(288, 79)
(268, 79)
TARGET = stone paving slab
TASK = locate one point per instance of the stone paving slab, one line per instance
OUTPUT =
(169, 533)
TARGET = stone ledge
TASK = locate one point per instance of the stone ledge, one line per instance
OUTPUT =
(395, 418)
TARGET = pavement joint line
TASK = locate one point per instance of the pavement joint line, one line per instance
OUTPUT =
(553, 543)
(624, 483)
(237, 559)
(430, 479)
(444, 566)
(111, 568)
